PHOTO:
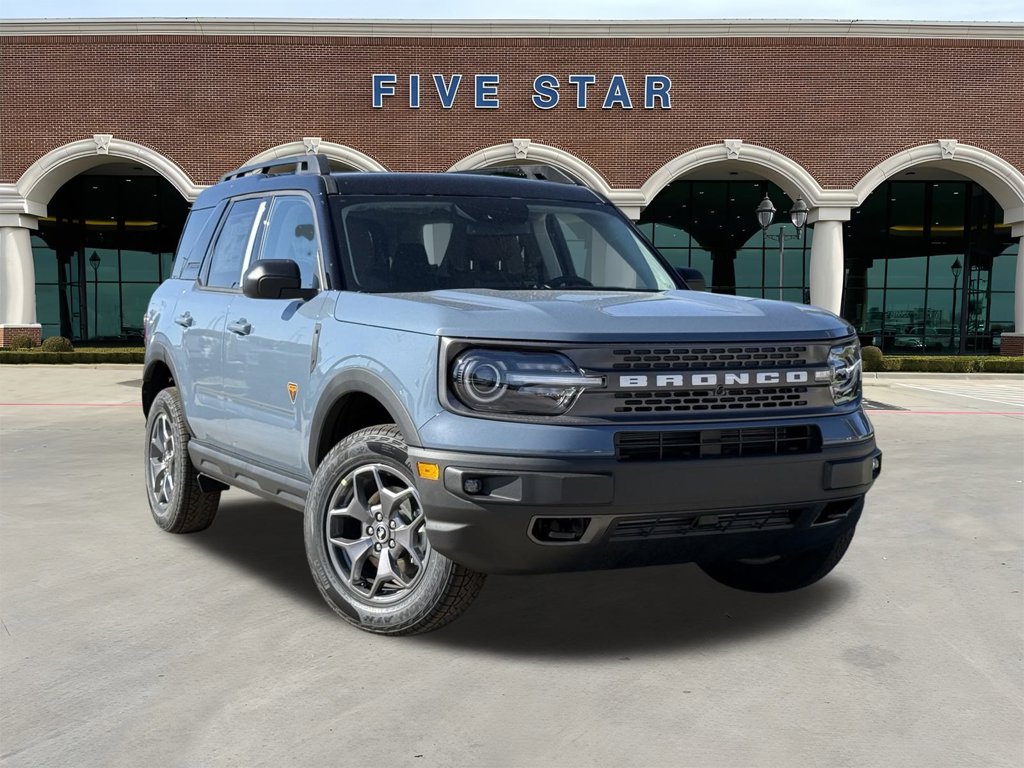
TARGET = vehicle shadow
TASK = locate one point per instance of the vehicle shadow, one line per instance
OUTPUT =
(559, 616)
(634, 611)
(265, 540)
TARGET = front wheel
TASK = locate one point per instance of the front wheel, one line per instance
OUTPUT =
(367, 545)
(781, 574)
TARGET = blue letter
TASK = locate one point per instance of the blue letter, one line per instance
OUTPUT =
(617, 94)
(487, 92)
(545, 91)
(657, 87)
(383, 85)
(414, 91)
(447, 93)
(581, 82)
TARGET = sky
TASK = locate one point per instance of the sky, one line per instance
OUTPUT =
(905, 10)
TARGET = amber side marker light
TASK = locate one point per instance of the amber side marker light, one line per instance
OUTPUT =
(428, 471)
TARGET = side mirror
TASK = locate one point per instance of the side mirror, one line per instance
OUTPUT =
(275, 279)
(693, 278)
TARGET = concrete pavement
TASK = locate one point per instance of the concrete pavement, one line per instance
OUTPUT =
(125, 646)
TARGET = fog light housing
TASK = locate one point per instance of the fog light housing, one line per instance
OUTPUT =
(472, 485)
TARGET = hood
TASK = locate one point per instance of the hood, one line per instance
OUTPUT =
(590, 316)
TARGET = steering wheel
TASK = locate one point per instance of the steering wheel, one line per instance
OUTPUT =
(565, 281)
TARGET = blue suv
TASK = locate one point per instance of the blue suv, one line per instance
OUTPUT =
(461, 374)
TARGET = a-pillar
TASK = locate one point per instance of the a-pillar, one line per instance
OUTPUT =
(17, 280)
(827, 257)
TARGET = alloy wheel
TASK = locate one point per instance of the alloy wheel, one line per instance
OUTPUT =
(162, 459)
(375, 534)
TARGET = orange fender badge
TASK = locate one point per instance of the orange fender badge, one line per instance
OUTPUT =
(293, 389)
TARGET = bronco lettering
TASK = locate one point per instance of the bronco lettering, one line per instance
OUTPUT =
(662, 380)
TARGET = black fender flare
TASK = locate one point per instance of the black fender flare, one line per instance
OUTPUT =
(365, 382)
(155, 353)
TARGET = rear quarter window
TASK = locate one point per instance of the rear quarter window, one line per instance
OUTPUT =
(194, 240)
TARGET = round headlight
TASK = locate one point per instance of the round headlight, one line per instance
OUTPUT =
(481, 380)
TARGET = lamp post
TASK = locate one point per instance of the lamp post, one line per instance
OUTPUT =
(94, 262)
(955, 268)
(766, 215)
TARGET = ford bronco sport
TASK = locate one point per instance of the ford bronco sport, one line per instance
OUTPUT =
(461, 374)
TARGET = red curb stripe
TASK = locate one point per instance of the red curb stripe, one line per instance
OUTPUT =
(69, 405)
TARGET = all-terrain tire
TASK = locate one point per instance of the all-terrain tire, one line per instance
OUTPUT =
(363, 486)
(177, 502)
(784, 574)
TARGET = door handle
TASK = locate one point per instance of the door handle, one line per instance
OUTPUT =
(241, 327)
(184, 320)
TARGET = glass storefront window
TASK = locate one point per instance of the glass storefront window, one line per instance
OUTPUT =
(710, 226)
(750, 267)
(925, 263)
(105, 245)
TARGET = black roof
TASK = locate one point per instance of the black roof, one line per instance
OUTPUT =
(456, 184)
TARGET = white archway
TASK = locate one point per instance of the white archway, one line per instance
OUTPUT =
(49, 173)
(314, 145)
(788, 174)
(527, 151)
(23, 202)
(1000, 179)
(829, 208)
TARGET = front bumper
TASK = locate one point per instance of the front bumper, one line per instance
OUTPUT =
(514, 514)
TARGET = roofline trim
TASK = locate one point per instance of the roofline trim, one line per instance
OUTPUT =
(512, 28)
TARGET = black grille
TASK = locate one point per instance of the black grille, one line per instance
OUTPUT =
(710, 400)
(708, 358)
(709, 522)
(717, 443)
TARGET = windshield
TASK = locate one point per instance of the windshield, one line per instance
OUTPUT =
(399, 244)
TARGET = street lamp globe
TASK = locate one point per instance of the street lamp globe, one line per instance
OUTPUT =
(798, 213)
(955, 268)
(765, 212)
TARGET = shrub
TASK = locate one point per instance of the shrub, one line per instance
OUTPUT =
(964, 365)
(872, 357)
(92, 357)
(1003, 365)
(57, 344)
(953, 364)
(22, 342)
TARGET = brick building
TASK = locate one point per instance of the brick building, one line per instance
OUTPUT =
(905, 140)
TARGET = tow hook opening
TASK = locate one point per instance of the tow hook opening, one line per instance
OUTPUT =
(560, 530)
(834, 511)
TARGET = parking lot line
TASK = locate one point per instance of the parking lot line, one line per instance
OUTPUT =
(945, 413)
(1016, 395)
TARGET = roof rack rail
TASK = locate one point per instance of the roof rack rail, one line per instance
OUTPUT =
(537, 171)
(318, 165)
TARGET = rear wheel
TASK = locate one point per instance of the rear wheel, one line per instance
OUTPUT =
(177, 502)
(367, 545)
(781, 574)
